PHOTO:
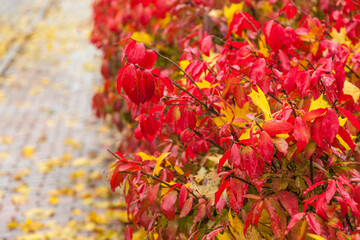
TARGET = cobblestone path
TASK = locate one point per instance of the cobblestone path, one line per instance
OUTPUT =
(52, 164)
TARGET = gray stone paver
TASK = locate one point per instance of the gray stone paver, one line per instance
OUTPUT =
(46, 99)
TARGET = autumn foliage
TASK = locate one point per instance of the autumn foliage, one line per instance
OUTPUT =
(240, 120)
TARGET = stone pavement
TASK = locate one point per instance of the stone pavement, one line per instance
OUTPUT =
(52, 164)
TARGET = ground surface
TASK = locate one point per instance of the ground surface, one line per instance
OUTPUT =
(52, 164)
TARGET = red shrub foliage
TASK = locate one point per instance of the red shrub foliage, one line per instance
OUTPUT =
(250, 133)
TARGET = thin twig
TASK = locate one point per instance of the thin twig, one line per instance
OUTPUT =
(352, 71)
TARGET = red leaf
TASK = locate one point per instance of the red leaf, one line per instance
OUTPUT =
(167, 205)
(289, 82)
(274, 127)
(168, 83)
(346, 137)
(186, 208)
(313, 223)
(235, 156)
(302, 82)
(281, 144)
(294, 219)
(274, 218)
(249, 161)
(153, 192)
(149, 60)
(135, 53)
(115, 178)
(242, 21)
(316, 132)
(149, 85)
(313, 186)
(314, 114)
(225, 157)
(183, 196)
(330, 191)
(201, 212)
(132, 83)
(354, 121)
(289, 201)
(266, 147)
(301, 134)
(257, 72)
(206, 45)
(330, 126)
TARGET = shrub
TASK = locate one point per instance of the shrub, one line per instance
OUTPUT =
(251, 134)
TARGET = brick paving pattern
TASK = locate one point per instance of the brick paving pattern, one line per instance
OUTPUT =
(47, 129)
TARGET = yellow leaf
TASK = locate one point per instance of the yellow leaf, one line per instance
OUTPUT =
(340, 37)
(77, 212)
(158, 160)
(28, 151)
(231, 10)
(319, 103)
(211, 58)
(31, 226)
(184, 64)
(5, 139)
(54, 200)
(236, 227)
(260, 100)
(165, 21)
(205, 84)
(73, 143)
(140, 234)
(20, 174)
(314, 236)
(224, 236)
(13, 224)
(352, 90)
(230, 114)
(142, 37)
(262, 46)
(342, 121)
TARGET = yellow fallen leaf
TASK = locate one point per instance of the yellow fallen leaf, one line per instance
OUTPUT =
(352, 90)
(78, 174)
(54, 200)
(79, 187)
(260, 100)
(19, 199)
(22, 189)
(5, 139)
(73, 143)
(28, 151)
(31, 226)
(80, 162)
(39, 213)
(20, 174)
(77, 212)
(13, 224)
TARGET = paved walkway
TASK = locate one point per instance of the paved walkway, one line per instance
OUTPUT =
(52, 183)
